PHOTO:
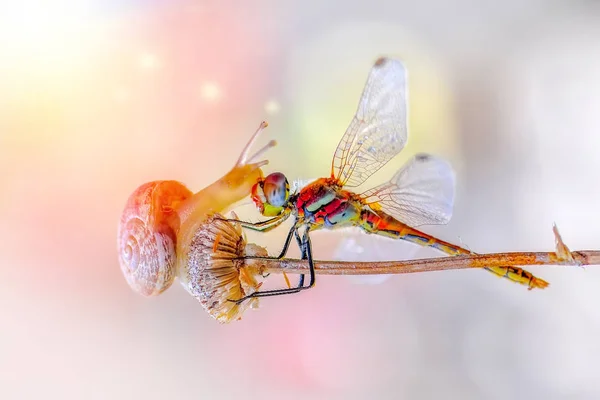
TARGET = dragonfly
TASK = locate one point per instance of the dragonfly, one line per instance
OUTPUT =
(420, 193)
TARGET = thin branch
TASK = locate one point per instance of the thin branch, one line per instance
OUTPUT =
(295, 266)
(562, 256)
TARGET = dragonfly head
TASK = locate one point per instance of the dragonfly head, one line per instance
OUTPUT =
(271, 194)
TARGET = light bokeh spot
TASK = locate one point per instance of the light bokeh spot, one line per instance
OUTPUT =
(211, 92)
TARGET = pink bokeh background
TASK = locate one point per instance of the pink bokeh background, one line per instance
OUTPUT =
(98, 97)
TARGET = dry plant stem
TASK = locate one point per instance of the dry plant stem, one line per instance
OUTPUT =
(294, 266)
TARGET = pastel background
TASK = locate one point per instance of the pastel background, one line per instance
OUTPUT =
(98, 97)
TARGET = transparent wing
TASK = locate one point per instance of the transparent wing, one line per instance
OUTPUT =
(359, 246)
(421, 192)
(298, 184)
(378, 130)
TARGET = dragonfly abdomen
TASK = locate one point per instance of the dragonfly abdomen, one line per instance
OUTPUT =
(387, 226)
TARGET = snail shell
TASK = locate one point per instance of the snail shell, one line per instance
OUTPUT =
(147, 236)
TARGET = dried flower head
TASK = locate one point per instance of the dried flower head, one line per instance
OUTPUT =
(215, 273)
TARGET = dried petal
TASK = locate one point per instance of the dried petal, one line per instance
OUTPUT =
(214, 271)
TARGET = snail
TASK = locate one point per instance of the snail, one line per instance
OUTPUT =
(160, 222)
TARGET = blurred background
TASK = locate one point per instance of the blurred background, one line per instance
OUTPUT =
(98, 97)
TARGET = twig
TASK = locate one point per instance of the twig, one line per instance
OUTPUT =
(295, 266)
(562, 256)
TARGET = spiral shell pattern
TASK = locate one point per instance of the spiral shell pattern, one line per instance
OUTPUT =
(147, 236)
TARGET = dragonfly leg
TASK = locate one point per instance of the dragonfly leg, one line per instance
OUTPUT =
(262, 226)
(307, 254)
(283, 252)
(303, 255)
(306, 249)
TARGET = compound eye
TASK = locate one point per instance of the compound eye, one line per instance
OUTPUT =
(276, 189)
(258, 196)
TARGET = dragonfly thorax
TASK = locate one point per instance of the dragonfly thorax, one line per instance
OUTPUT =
(271, 194)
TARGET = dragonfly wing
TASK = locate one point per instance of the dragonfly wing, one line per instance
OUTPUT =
(378, 131)
(359, 246)
(299, 184)
(421, 192)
